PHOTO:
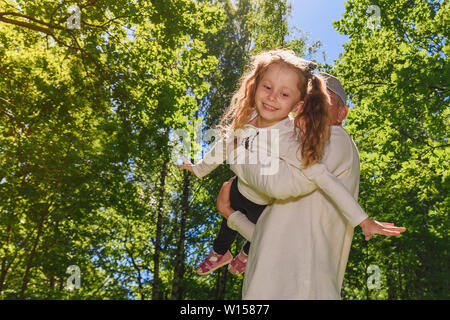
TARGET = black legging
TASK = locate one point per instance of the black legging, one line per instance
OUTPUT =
(226, 236)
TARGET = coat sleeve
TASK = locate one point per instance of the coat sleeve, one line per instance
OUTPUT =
(294, 181)
(239, 222)
(212, 159)
(337, 192)
(287, 182)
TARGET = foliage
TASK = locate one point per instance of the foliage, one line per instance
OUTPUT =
(87, 117)
(397, 75)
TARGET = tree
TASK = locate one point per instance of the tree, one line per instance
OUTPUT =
(397, 76)
(79, 108)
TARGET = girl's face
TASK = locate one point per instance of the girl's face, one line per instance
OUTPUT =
(277, 94)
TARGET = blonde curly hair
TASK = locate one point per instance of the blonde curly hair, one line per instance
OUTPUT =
(312, 121)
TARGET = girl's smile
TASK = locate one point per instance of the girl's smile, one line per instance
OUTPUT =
(269, 108)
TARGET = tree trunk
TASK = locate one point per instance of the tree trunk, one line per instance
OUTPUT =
(156, 291)
(365, 272)
(222, 277)
(52, 281)
(177, 287)
(221, 283)
(32, 253)
(5, 266)
(404, 294)
(390, 281)
(137, 268)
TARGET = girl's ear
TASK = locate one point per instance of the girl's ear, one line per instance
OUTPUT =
(298, 107)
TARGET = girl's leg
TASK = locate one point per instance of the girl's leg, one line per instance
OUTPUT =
(220, 254)
(253, 211)
(246, 247)
(253, 215)
(224, 238)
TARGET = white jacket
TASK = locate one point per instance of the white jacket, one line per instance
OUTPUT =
(300, 245)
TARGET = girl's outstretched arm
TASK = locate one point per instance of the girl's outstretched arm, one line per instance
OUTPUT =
(211, 159)
(293, 180)
(239, 222)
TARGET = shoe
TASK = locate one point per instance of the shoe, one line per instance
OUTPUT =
(237, 266)
(213, 262)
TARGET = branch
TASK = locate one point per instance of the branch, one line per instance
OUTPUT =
(36, 28)
(424, 152)
(47, 28)
(378, 84)
(8, 102)
(25, 24)
(31, 19)
(437, 88)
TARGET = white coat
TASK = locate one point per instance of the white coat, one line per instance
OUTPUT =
(300, 245)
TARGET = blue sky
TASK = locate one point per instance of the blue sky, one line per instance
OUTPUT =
(314, 17)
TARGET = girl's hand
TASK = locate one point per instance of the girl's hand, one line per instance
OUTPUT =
(187, 165)
(370, 227)
(223, 200)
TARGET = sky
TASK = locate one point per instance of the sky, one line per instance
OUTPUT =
(314, 17)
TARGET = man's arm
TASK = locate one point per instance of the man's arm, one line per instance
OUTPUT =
(235, 219)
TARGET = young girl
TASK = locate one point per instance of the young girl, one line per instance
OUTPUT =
(277, 83)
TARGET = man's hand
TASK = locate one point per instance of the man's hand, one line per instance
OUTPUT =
(370, 227)
(223, 199)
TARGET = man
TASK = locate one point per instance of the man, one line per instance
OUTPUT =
(338, 110)
(301, 243)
